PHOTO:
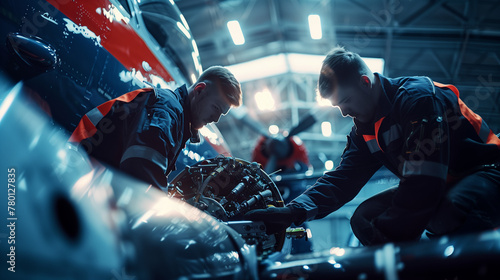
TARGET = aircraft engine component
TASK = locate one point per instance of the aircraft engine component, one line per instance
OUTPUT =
(227, 188)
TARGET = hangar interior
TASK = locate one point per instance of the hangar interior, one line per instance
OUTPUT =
(453, 42)
(81, 219)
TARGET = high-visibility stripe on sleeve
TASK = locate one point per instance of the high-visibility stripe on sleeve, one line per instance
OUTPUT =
(87, 126)
(84, 130)
(95, 116)
(493, 139)
(377, 127)
(451, 87)
(147, 153)
(480, 126)
(372, 140)
(394, 133)
(427, 168)
(372, 144)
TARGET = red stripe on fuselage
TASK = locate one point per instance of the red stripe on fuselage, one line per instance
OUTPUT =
(117, 37)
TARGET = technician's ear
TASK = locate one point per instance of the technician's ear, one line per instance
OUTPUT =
(199, 87)
(365, 81)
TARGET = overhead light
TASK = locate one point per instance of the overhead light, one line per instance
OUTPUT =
(265, 100)
(274, 129)
(326, 129)
(329, 165)
(315, 27)
(236, 33)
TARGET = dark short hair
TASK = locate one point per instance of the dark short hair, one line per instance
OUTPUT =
(345, 65)
(230, 86)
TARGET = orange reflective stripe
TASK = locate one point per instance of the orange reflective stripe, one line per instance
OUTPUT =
(131, 95)
(451, 87)
(377, 128)
(106, 107)
(127, 97)
(474, 119)
(493, 139)
(86, 129)
(372, 145)
(368, 137)
(372, 140)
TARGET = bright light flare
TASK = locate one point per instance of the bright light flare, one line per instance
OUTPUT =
(274, 129)
(265, 100)
(315, 27)
(328, 165)
(326, 129)
(236, 33)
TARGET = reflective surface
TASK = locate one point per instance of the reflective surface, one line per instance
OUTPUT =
(76, 219)
(473, 256)
(68, 217)
(62, 224)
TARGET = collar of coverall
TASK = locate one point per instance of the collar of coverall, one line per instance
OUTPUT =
(194, 136)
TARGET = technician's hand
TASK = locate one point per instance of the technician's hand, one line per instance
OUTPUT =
(276, 219)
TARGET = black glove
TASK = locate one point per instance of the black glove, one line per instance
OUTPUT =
(276, 219)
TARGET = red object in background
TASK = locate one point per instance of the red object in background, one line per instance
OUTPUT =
(298, 154)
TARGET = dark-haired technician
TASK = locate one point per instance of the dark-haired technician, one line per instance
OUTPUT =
(446, 157)
(142, 132)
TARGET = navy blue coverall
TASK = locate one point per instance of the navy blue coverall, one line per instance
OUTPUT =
(141, 132)
(443, 153)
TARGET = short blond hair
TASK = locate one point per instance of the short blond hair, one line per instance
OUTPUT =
(221, 75)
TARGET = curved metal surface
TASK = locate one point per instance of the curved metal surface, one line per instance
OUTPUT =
(77, 219)
(59, 228)
(32, 51)
(173, 240)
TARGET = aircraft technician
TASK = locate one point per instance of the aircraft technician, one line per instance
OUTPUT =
(446, 157)
(142, 132)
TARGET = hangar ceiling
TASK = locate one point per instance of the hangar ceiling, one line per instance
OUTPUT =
(451, 41)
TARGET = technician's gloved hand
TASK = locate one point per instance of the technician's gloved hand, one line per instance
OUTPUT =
(276, 219)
